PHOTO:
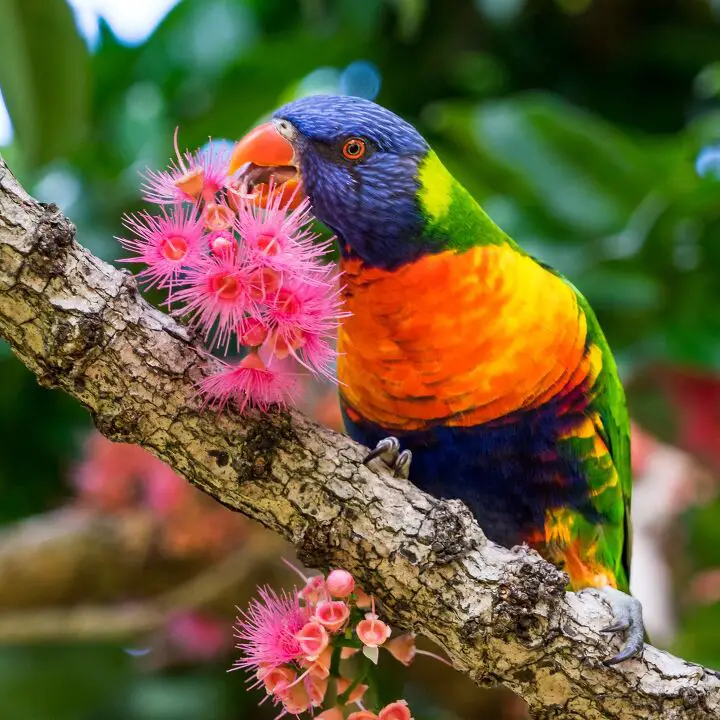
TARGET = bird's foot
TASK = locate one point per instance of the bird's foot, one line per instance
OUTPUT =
(388, 451)
(627, 614)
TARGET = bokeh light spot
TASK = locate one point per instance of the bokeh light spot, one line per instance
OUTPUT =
(500, 11)
(361, 79)
(137, 652)
(708, 162)
(320, 81)
(6, 128)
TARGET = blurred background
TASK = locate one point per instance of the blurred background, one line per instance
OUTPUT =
(589, 130)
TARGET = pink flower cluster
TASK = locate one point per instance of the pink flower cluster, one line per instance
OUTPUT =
(115, 478)
(244, 269)
(294, 646)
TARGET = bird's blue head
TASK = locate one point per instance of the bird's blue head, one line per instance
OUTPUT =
(359, 165)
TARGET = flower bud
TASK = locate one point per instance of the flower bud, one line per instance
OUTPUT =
(362, 599)
(191, 183)
(402, 648)
(223, 245)
(252, 332)
(340, 583)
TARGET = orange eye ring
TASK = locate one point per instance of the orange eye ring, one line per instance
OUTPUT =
(354, 148)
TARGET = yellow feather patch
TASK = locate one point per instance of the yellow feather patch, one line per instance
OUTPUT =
(435, 185)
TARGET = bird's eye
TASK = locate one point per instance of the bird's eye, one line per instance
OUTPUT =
(354, 148)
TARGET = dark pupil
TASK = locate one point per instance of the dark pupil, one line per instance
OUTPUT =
(353, 148)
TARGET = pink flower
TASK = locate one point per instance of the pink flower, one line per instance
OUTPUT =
(216, 296)
(357, 693)
(303, 319)
(332, 614)
(198, 636)
(280, 239)
(398, 710)
(248, 384)
(266, 633)
(362, 715)
(314, 590)
(166, 243)
(402, 648)
(372, 631)
(340, 583)
(190, 177)
(262, 282)
(313, 639)
(276, 679)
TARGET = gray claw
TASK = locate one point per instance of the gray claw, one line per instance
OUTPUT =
(628, 618)
(387, 450)
(616, 627)
(401, 466)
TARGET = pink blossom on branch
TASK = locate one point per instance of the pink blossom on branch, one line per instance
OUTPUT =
(314, 635)
(246, 271)
(267, 632)
(282, 240)
(216, 296)
(249, 383)
(340, 583)
(332, 614)
(166, 244)
(191, 177)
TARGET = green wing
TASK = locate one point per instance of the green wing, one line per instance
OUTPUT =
(609, 404)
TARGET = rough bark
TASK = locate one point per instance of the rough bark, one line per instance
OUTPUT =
(503, 616)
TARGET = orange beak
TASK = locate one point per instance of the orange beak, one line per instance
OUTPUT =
(266, 147)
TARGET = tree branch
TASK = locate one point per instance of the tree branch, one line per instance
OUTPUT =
(502, 615)
(131, 618)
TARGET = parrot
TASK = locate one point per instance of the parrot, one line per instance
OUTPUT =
(473, 369)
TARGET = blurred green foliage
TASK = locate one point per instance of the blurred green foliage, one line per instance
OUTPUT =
(578, 123)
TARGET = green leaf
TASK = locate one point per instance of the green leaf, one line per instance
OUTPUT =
(44, 77)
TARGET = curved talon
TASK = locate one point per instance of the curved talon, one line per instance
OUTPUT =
(616, 627)
(387, 450)
(628, 617)
(401, 466)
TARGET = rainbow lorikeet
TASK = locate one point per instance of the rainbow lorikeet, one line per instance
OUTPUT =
(486, 365)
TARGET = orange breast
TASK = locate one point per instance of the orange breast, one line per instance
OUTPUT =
(458, 338)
